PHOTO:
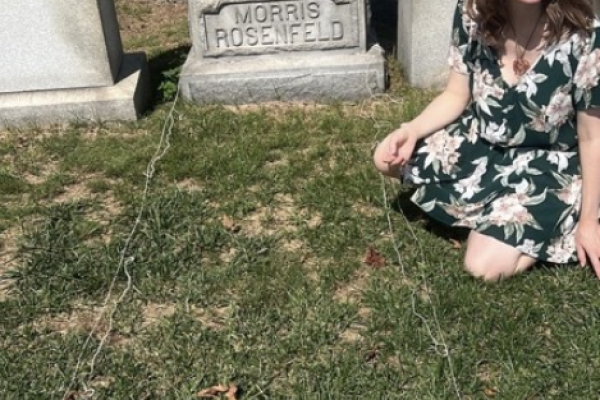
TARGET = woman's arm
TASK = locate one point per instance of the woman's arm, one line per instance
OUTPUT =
(444, 109)
(588, 231)
(398, 146)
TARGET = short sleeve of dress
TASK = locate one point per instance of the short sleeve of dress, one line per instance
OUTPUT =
(459, 42)
(587, 75)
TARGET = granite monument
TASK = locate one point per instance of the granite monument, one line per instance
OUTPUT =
(253, 51)
(63, 61)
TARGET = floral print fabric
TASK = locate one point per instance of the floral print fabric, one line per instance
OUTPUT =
(509, 166)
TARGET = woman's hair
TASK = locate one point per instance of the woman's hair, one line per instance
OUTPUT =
(563, 16)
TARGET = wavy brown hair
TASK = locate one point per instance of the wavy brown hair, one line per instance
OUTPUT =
(563, 16)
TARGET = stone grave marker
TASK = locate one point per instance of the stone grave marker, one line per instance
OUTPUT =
(251, 51)
(424, 28)
(63, 61)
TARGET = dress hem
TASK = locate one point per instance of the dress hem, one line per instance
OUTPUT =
(448, 220)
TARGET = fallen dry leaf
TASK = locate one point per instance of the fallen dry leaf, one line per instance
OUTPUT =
(216, 391)
(371, 355)
(374, 259)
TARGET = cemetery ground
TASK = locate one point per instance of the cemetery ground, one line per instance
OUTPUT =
(263, 265)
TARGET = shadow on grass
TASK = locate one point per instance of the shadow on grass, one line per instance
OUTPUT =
(164, 74)
(413, 213)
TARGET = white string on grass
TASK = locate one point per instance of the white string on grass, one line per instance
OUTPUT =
(436, 334)
(124, 261)
(439, 342)
(388, 215)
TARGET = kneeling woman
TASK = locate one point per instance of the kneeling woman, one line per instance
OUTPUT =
(511, 148)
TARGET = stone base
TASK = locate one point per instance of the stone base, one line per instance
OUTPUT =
(123, 101)
(284, 77)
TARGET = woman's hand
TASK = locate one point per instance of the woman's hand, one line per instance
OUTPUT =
(587, 240)
(399, 146)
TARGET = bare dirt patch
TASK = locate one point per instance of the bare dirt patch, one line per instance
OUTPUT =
(353, 334)
(281, 109)
(277, 108)
(282, 216)
(104, 216)
(8, 258)
(313, 265)
(112, 129)
(314, 221)
(188, 185)
(81, 191)
(487, 375)
(367, 210)
(34, 179)
(256, 189)
(283, 162)
(42, 174)
(153, 313)
(228, 255)
(351, 292)
(212, 318)
(73, 193)
(104, 212)
(82, 320)
(79, 320)
(293, 245)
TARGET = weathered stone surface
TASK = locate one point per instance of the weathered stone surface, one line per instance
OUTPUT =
(424, 28)
(121, 101)
(63, 61)
(246, 51)
(58, 44)
(276, 26)
(326, 78)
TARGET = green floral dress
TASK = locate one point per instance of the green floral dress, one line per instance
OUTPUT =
(509, 166)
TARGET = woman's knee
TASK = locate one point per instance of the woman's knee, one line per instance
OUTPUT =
(485, 269)
(495, 267)
(492, 260)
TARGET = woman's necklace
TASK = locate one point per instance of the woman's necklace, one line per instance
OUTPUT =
(521, 65)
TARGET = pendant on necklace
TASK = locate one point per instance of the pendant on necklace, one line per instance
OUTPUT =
(520, 66)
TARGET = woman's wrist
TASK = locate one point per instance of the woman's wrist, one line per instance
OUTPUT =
(410, 128)
(589, 212)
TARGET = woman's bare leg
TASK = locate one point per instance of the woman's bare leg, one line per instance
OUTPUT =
(491, 260)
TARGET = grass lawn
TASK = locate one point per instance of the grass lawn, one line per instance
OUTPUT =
(262, 257)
